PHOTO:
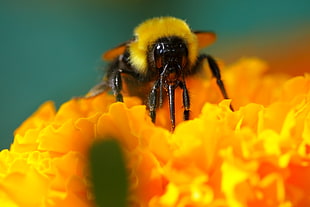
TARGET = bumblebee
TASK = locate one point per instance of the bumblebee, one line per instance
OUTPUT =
(163, 52)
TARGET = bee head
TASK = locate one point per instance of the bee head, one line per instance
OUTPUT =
(163, 41)
(169, 53)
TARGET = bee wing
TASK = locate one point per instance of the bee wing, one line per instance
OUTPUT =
(205, 38)
(116, 51)
(97, 89)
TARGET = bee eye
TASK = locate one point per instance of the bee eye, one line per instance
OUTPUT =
(158, 55)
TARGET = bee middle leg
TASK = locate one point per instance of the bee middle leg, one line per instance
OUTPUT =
(117, 86)
(215, 72)
(120, 66)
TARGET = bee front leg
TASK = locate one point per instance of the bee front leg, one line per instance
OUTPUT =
(186, 101)
(171, 90)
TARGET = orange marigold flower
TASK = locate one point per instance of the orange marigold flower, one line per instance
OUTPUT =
(258, 155)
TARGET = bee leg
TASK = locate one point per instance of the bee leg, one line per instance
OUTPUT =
(152, 102)
(216, 73)
(117, 86)
(186, 101)
(171, 89)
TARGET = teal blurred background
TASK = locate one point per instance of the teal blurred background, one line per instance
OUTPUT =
(51, 49)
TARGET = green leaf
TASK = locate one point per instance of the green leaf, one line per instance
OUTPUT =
(108, 174)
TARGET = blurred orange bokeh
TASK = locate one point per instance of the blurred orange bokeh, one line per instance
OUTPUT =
(288, 53)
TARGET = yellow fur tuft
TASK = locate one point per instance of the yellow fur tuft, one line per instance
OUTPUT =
(151, 30)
